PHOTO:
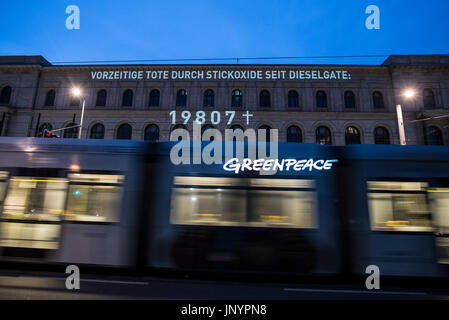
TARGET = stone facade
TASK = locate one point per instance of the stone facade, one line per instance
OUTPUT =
(31, 77)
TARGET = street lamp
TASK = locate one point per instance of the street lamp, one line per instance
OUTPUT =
(77, 93)
(409, 93)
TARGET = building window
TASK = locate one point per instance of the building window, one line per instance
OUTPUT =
(264, 98)
(72, 132)
(97, 131)
(5, 96)
(294, 134)
(237, 98)
(127, 100)
(349, 100)
(43, 129)
(101, 98)
(321, 99)
(124, 132)
(434, 136)
(378, 100)
(323, 135)
(235, 127)
(206, 127)
(352, 135)
(381, 136)
(181, 98)
(154, 98)
(429, 99)
(50, 98)
(267, 132)
(293, 99)
(209, 98)
(151, 133)
(75, 101)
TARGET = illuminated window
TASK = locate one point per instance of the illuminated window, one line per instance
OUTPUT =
(124, 132)
(101, 98)
(94, 197)
(294, 134)
(209, 98)
(127, 99)
(352, 135)
(97, 131)
(293, 99)
(50, 98)
(323, 135)
(264, 98)
(43, 128)
(154, 98)
(151, 133)
(381, 136)
(237, 98)
(255, 202)
(181, 98)
(398, 206)
(5, 95)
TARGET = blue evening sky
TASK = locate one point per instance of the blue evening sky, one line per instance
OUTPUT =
(169, 29)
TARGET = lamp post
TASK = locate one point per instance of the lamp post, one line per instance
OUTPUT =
(409, 93)
(77, 93)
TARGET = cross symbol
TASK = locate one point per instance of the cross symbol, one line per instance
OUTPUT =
(247, 115)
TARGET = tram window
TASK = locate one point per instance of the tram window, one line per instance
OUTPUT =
(254, 202)
(398, 206)
(439, 199)
(3, 185)
(35, 198)
(94, 197)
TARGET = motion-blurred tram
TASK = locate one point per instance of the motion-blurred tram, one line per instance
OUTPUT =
(125, 204)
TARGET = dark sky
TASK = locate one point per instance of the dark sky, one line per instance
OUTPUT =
(127, 30)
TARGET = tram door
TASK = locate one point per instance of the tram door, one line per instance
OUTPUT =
(439, 203)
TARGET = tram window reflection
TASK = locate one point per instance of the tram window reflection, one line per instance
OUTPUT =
(94, 197)
(255, 202)
(399, 206)
(3, 185)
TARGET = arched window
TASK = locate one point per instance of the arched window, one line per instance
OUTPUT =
(378, 100)
(97, 131)
(5, 95)
(154, 98)
(124, 132)
(127, 100)
(323, 135)
(181, 98)
(101, 98)
(349, 100)
(264, 98)
(381, 136)
(434, 136)
(294, 134)
(321, 99)
(352, 135)
(209, 98)
(267, 132)
(293, 99)
(237, 98)
(206, 127)
(75, 101)
(235, 127)
(429, 99)
(72, 132)
(179, 126)
(43, 128)
(50, 98)
(151, 133)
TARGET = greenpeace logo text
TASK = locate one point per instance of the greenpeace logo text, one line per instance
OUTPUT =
(277, 165)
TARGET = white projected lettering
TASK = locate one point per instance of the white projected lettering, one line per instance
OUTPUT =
(246, 164)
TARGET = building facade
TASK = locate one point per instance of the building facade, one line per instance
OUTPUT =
(328, 104)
